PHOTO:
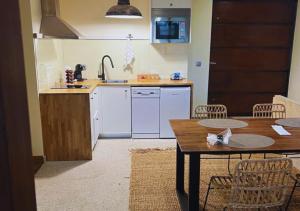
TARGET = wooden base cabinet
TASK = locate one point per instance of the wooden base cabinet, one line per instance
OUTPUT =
(66, 124)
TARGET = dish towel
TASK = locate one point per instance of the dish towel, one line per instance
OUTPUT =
(129, 54)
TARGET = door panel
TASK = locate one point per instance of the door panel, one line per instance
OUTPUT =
(241, 101)
(254, 11)
(259, 82)
(257, 59)
(250, 52)
(241, 35)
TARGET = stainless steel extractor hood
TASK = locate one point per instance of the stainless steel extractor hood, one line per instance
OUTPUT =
(52, 26)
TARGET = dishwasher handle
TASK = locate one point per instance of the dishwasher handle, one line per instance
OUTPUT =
(146, 93)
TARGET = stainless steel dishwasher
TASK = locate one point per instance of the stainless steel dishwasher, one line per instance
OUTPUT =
(145, 112)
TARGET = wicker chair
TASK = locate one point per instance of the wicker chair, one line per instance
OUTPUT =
(256, 184)
(273, 111)
(210, 112)
(269, 111)
(296, 179)
(213, 112)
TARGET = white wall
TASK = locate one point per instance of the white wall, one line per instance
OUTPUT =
(32, 91)
(200, 49)
(294, 85)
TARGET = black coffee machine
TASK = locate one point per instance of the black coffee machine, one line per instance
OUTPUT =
(78, 72)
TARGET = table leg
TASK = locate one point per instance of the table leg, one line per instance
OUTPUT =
(179, 170)
(194, 184)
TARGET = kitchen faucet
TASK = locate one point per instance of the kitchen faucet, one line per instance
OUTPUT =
(102, 75)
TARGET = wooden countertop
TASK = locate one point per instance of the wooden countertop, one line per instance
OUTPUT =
(92, 84)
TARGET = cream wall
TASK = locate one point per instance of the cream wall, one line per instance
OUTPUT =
(149, 58)
(36, 15)
(49, 62)
(200, 49)
(32, 91)
(294, 85)
(160, 59)
(88, 17)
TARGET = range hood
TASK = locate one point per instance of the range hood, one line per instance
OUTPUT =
(52, 26)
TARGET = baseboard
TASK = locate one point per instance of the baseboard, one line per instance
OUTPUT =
(37, 163)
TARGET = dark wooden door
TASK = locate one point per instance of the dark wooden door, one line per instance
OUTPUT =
(251, 50)
(17, 191)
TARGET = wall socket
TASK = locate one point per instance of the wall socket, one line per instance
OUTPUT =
(198, 63)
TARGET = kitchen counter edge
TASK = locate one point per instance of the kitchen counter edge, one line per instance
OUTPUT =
(132, 83)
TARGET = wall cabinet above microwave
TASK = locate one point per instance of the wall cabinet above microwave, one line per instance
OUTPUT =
(171, 3)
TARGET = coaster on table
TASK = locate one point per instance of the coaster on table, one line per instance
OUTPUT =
(289, 122)
(250, 141)
(223, 123)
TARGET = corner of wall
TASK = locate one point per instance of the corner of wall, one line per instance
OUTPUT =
(32, 91)
(200, 49)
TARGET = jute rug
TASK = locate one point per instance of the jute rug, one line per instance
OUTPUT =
(152, 182)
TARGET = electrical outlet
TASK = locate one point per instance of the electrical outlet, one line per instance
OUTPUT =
(198, 63)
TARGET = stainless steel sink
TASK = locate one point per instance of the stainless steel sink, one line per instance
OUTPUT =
(115, 81)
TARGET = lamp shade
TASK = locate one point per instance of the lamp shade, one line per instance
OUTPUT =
(124, 10)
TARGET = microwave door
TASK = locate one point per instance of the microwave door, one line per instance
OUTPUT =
(169, 30)
(182, 35)
(161, 30)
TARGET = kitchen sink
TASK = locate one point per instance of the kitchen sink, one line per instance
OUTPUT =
(115, 81)
(76, 86)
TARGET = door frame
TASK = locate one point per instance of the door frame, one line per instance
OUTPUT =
(17, 190)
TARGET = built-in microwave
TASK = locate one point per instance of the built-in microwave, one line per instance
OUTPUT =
(171, 25)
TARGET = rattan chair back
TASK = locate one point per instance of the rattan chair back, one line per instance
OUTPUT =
(260, 184)
(210, 112)
(272, 111)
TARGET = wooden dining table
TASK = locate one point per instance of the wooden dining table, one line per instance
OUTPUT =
(192, 141)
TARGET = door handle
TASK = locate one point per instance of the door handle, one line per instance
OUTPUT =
(213, 63)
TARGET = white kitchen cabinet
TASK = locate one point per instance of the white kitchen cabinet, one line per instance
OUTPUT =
(171, 3)
(95, 115)
(115, 112)
(175, 103)
(95, 128)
